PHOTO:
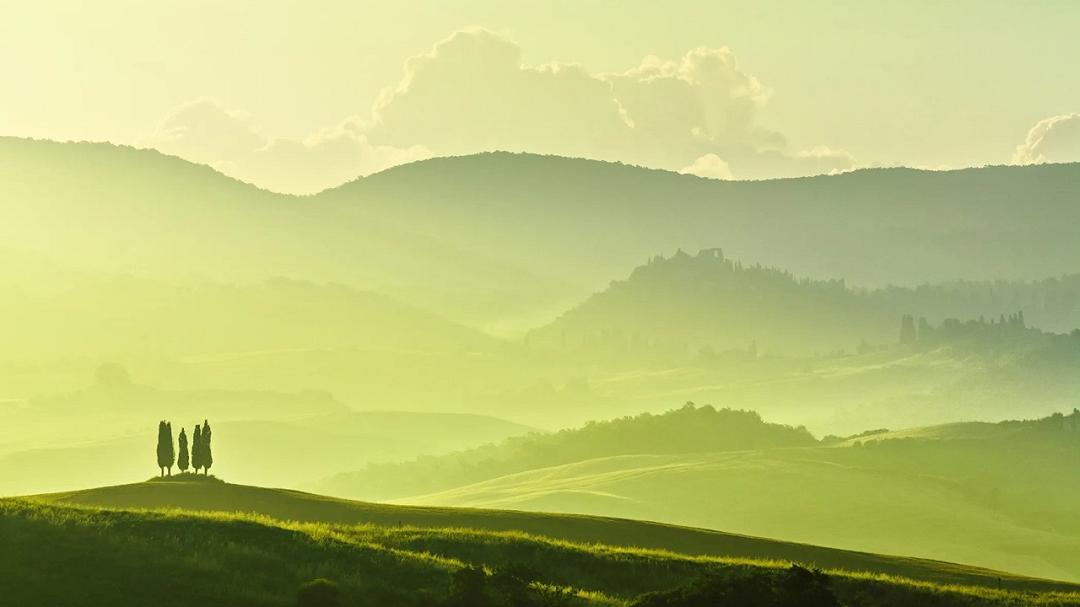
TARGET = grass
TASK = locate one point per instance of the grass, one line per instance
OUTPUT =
(541, 529)
(82, 555)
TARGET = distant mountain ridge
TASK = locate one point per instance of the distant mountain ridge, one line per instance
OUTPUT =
(914, 225)
(499, 237)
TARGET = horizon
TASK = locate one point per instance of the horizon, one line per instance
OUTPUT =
(802, 116)
(497, 152)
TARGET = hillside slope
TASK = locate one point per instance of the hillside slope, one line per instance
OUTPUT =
(296, 506)
(675, 307)
(513, 238)
(997, 495)
(871, 226)
(690, 429)
(180, 558)
(115, 209)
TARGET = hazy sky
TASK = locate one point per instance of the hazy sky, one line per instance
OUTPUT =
(299, 95)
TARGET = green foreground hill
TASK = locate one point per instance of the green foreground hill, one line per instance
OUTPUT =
(290, 505)
(197, 544)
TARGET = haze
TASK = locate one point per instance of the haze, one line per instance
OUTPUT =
(478, 304)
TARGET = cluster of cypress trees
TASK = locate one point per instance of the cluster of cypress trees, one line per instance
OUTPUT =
(201, 456)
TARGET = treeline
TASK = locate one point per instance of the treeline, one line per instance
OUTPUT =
(952, 329)
(689, 429)
(200, 457)
(1051, 304)
(678, 306)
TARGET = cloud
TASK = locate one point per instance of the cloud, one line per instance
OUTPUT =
(472, 93)
(821, 159)
(1054, 139)
(709, 165)
(203, 131)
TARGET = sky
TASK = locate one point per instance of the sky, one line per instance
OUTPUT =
(299, 96)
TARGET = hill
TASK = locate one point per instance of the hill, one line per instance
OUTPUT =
(676, 307)
(872, 227)
(416, 528)
(119, 210)
(504, 240)
(996, 495)
(687, 430)
(180, 558)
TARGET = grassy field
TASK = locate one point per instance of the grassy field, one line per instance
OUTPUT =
(992, 495)
(54, 552)
(845, 498)
(285, 505)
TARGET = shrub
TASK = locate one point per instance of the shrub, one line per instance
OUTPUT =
(317, 593)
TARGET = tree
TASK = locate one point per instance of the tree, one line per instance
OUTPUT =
(196, 449)
(166, 456)
(170, 450)
(317, 593)
(907, 329)
(207, 454)
(182, 461)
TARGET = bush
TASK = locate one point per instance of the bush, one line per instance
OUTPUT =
(317, 593)
(794, 587)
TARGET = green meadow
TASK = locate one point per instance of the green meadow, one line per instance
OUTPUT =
(187, 540)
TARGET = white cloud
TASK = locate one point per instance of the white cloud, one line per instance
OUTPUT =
(205, 132)
(709, 165)
(1054, 139)
(823, 159)
(472, 93)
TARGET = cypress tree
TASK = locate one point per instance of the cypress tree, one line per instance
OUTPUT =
(196, 449)
(164, 446)
(183, 461)
(207, 454)
(170, 450)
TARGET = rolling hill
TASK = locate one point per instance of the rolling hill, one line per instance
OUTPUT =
(119, 210)
(690, 429)
(498, 239)
(418, 528)
(994, 495)
(675, 307)
(872, 227)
